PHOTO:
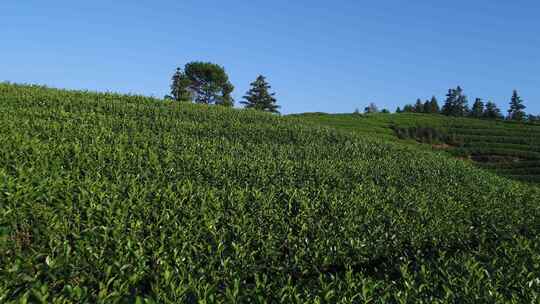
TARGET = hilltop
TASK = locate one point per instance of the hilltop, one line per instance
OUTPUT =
(113, 198)
(510, 149)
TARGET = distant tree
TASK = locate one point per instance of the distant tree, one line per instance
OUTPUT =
(408, 108)
(180, 87)
(492, 111)
(226, 99)
(398, 110)
(372, 108)
(208, 83)
(426, 108)
(478, 108)
(533, 119)
(259, 96)
(456, 103)
(433, 106)
(385, 111)
(450, 102)
(419, 106)
(516, 108)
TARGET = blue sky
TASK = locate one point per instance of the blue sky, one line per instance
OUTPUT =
(330, 56)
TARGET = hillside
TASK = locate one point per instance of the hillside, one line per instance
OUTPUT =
(509, 149)
(106, 198)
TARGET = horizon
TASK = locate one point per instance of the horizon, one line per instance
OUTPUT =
(360, 53)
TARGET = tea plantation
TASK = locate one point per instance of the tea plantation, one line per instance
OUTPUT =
(509, 149)
(107, 198)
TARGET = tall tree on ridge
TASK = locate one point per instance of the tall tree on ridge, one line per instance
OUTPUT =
(431, 106)
(478, 108)
(419, 106)
(180, 86)
(434, 105)
(259, 97)
(408, 108)
(456, 103)
(516, 108)
(209, 83)
(371, 108)
(492, 111)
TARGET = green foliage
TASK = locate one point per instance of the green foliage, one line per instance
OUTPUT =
(180, 86)
(419, 106)
(433, 106)
(456, 103)
(204, 83)
(371, 109)
(477, 109)
(259, 97)
(107, 198)
(492, 111)
(408, 108)
(516, 110)
(488, 144)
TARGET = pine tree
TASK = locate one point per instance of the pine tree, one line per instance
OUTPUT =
(259, 97)
(478, 108)
(434, 106)
(408, 108)
(462, 104)
(516, 108)
(419, 106)
(533, 119)
(180, 87)
(226, 99)
(398, 110)
(372, 108)
(492, 111)
(456, 103)
(208, 83)
(450, 102)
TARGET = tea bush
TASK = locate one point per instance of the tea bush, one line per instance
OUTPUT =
(488, 143)
(107, 198)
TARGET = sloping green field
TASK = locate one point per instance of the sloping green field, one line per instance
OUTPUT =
(107, 198)
(509, 149)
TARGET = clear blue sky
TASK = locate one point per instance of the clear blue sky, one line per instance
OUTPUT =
(330, 56)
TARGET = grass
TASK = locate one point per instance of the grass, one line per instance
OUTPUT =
(488, 144)
(107, 198)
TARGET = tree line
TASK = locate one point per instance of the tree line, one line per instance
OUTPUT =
(457, 104)
(208, 83)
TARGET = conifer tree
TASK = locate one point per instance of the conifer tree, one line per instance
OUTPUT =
(226, 99)
(492, 111)
(450, 102)
(478, 108)
(426, 108)
(456, 103)
(516, 108)
(398, 110)
(371, 108)
(419, 106)
(259, 97)
(180, 87)
(408, 108)
(434, 106)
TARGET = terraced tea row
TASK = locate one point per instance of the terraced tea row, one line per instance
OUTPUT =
(112, 199)
(489, 144)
